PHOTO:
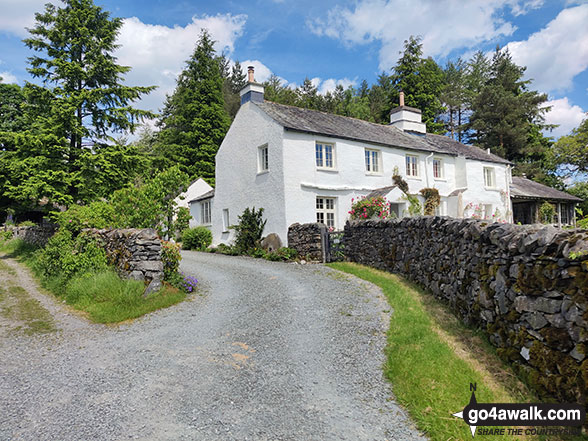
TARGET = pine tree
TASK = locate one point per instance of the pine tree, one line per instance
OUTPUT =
(505, 111)
(12, 108)
(308, 96)
(421, 80)
(454, 97)
(82, 97)
(194, 120)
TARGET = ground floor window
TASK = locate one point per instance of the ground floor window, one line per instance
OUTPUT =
(325, 211)
(226, 220)
(205, 213)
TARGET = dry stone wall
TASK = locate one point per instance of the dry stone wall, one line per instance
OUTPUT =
(526, 286)
(135, 253)
(307, 239)
(34, 235)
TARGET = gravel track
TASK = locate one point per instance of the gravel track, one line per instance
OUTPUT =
(264, 351)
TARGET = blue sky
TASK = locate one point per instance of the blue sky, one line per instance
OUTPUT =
(336, 42)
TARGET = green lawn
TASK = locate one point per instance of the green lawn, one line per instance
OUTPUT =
(432, 359)
(104, 297)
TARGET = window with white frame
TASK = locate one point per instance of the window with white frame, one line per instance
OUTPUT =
(489, 177)
(325, 155)
(262, 159)
(438, 168)
(225, 220)
(373, 161)
(205, 213)
(412, 165)
(325, 211)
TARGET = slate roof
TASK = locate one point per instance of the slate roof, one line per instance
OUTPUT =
(381, 191)
(337, 126)
(206, 195)
(523, 188)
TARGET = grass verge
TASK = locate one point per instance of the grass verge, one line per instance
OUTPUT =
(104, 296)
(18, 306)
(432, 358)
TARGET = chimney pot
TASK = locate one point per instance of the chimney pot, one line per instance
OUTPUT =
(250, 72)
(401, 98)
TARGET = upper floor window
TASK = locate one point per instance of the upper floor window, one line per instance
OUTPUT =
(372, 161)
(325, 155)
(412, 165)
(262, 159)
(489, 177)
(438, 168)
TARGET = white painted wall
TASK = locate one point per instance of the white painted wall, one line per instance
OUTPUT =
(238, 183)
(477, 193)
(288, 191)
(304, 181)
(196, 189)
(196, 213)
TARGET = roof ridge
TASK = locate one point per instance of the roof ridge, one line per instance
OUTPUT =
(332, 114)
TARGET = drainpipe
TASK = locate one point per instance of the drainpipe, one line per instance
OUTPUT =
(508, 203)
(427, 168)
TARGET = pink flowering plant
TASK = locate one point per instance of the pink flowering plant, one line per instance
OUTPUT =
(370, 208)
(476, 211)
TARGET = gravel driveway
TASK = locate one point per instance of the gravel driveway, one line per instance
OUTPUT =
(264, 351)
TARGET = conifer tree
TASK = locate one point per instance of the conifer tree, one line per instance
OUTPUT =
(454, 97)
(421, 80)
(194, 120)
(12, 108)
(505, 111)
(79, 103)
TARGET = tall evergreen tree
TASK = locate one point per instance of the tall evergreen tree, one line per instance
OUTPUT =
(380, 99)
(194, 120)
(505, 111)
(79, 103)
(421, 80)
(454, 97)
(12, 108)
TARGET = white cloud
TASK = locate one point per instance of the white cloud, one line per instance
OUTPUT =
(445, 25)
(568, 116)
(18, 14)
(7, 78)
(330, 84)
(262, 72)
(557, 53)
(157, 53)
(522, 7)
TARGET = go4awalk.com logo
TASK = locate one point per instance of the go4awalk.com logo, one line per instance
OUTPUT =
(533, 416)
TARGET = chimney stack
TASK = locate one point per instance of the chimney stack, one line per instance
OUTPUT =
(252, 91)
(407, 119)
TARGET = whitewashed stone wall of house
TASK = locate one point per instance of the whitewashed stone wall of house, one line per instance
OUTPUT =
(238, 183)
(304, 181)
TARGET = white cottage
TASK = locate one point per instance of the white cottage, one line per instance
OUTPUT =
(304, 166)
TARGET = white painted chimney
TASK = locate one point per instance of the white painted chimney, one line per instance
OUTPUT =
(252, 91)
(407, 119)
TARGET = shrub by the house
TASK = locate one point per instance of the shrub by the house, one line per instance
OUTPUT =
(368, 208)
(197, 238)
(249, 230)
